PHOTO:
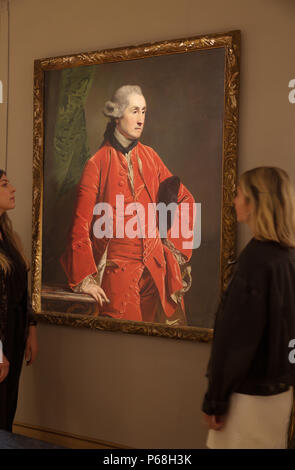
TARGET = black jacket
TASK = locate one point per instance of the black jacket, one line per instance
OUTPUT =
(254, 323)
(16, 314)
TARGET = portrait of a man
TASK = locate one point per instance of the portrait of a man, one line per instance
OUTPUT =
(134, 271)
(132, 183)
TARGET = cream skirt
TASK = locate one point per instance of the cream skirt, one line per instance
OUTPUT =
(254, 422)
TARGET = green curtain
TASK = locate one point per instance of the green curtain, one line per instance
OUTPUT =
(71, 149)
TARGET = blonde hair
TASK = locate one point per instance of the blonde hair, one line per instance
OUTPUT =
(271, 195)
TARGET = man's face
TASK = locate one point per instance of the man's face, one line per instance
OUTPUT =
(131, 123)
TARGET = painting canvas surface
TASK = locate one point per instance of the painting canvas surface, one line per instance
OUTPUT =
(184, 125)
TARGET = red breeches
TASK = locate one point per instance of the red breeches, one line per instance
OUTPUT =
(131, 291)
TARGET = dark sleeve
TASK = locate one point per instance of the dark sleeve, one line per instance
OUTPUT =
(32, 318)
(3, 307)
(238, 330)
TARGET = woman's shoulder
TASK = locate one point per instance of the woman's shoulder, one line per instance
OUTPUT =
(20, 249)
(268, 248)
(263, 255)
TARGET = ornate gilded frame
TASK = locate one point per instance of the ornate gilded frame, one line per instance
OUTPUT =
(230, 41)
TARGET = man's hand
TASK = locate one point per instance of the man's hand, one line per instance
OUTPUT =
(214, 422)
(97, 293)
(31, 346)
(4, 368)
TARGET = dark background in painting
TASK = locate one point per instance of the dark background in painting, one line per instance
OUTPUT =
(184, 124)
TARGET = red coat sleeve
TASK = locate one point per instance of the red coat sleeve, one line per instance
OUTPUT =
(78, 260)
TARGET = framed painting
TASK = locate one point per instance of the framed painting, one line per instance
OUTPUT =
(134, 175)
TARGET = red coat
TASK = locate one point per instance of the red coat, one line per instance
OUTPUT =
(101, 181)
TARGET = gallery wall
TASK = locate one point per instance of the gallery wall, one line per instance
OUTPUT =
(3, 79)
(134, 390)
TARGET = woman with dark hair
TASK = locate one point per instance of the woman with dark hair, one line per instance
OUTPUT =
(17, 324)
(250, 377)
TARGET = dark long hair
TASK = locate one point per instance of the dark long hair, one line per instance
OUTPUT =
(9, 234)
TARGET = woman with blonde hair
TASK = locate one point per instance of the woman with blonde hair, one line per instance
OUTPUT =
(17, 323)
(250, 377)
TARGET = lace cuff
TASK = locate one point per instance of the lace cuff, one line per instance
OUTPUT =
(185, 269)
(87, 281)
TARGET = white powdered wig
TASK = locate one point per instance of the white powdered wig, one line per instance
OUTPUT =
(119, 102)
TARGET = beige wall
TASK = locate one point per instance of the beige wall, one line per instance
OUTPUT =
(135, 390)
(3, 78)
